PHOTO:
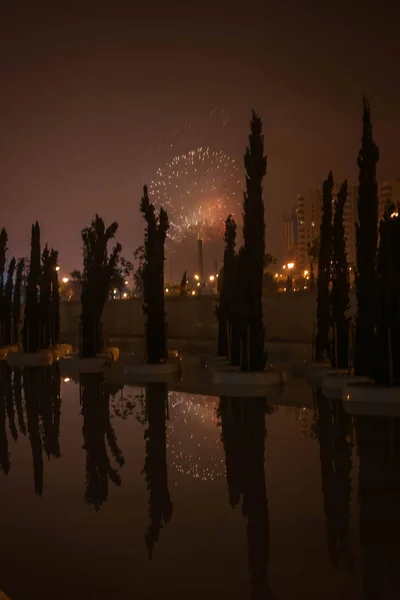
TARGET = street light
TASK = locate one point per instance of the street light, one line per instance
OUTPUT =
(65, 279)
(211, 277)
(57, 268)
(290, 265)
(196, 277)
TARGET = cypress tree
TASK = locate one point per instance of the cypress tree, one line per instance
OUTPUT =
(183, 286)
(155, 466)
(8, 292)
(31, 328)
(153, 279)
(340, 285)
(16, 308)
(324, 263)
(227, 291)
(387, 364)
(55, 299)
(3, 252)
(366, 249)
(45, 299)
(253, 355)
(98, 271)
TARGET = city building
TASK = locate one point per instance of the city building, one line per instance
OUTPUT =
(290, 236)
(388, 191)
(349, 220)
(308, 216)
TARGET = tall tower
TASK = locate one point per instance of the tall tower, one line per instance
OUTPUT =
(200, 260)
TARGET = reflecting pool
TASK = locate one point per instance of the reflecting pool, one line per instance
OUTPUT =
(113, 491)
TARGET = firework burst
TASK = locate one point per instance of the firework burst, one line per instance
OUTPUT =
(199, 190)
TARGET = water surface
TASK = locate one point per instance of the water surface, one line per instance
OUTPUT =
(117, 492)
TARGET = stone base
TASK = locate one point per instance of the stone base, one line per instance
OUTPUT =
(371, 399)
(238, 378)
(149, 373)
(111, 353)
(318, 371)
(5, 350)
(71, 366)
(43, 358)
(334, 383)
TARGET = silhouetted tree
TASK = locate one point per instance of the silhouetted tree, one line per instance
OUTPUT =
(31, 328)
(366, 247)
(98, 271)
(243, 435)
(33, 393)
(254, 357)
(379, 498)
(55, 300)
(313, 253)
(227, 290)
(45, 301)
(16, 306)
(334, 437)
(183, 286)
(5, 463)
(18, 400)
(340, 286)
(3, 316)
(387, 362)
(324, 268)
(97, 431)
(155, 466)
(153, 279)
(8, 293)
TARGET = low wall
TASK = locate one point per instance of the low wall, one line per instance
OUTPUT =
(287, 317)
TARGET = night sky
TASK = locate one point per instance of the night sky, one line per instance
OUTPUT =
(92, 99)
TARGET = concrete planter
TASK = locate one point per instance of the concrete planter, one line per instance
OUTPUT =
(111, 353)
(71, 366)
(371, 399)
(5, 350)
(334, 383)
(43, 358)
(370, 392)
(150, 373)
(238, 378)
(318, 371)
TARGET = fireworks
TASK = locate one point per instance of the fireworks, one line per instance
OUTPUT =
(199, 190)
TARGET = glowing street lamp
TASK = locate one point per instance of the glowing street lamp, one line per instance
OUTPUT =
(65, 279)
(196, 277)
(211, 278)
(57, 268)
(290, 265)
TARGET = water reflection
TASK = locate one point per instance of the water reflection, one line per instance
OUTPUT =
(98, 433)
(379, 499)
(334, 434)
(243, 433)
(43, 411)
(155, 466)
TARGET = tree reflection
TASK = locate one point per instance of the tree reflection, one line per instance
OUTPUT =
(18, 400)
(243, 435)
(98, 433)
(334, 433)
(378, 441)
(4, 454)
(155, 466)
(43, 410)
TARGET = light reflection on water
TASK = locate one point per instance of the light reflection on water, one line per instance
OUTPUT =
(98, 478)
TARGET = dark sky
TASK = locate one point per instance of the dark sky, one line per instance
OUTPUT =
(91, 97)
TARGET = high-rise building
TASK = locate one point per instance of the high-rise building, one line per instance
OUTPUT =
(308, 215)
(290, 236)
(349, 220)
(388, 191)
